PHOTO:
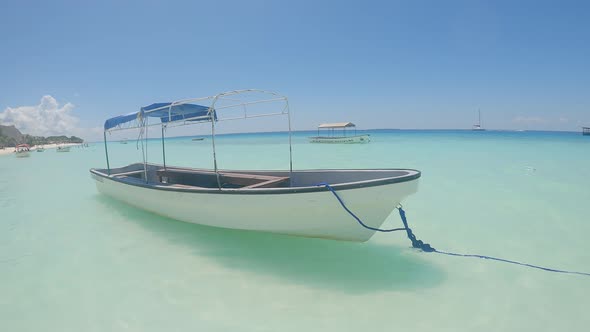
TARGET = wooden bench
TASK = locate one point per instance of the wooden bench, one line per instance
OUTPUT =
(185, 186)
(208, 179)
(268, 183)
(120, 175)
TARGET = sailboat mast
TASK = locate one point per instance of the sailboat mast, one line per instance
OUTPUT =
(479, 117)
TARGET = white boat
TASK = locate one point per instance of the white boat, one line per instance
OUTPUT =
(294, 202)
(22, 151)
(344, 138)
(478, 127)
(65, 148)
(40, 149)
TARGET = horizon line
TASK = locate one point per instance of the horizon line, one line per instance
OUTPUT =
(372, 129)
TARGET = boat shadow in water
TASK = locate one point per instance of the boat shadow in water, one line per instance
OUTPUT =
(343, 266)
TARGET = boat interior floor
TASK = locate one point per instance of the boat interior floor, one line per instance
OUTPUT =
(195, 178)
(190, 178)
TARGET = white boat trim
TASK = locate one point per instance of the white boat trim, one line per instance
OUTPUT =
(407, 175)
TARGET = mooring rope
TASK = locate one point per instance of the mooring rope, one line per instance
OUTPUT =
(418, 244)
(353, 215)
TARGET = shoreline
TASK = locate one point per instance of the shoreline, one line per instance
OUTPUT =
(10, 150)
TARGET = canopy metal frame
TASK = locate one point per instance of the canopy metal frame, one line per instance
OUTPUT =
(214, 114)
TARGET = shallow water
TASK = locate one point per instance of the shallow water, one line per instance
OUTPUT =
(72, 260)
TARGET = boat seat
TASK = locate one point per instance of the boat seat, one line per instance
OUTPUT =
(267, 184)
(184, 186)
(208, 178)
(129, 173)
(229, 174)
(250, 176)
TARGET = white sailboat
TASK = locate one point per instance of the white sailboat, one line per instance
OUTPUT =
(478, 127)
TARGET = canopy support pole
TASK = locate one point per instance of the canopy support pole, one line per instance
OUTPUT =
(163, 149)
(106, 152)
(290, 144)
(214, 154)
(146, 151)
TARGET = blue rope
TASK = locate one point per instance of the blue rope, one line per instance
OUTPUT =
(420, 245)
(353, 215)
(427, 248)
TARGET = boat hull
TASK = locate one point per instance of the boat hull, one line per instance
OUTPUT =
(63, 149)
(23, 154)
(314, 213)
(341, 139)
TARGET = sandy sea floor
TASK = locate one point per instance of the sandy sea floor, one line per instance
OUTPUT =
(74, 260)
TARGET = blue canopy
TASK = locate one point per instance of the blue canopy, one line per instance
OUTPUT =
(164, 113)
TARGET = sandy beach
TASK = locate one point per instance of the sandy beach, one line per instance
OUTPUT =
(10, 150)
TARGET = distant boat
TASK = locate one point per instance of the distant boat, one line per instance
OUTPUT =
(586, 131)
(40, 149)
(199, 139)
(22, 151)
(344, 139)
(477, 127)
(63, 149)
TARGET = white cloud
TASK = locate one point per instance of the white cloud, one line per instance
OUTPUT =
(45, 119)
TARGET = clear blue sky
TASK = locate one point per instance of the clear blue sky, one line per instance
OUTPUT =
(391, 64)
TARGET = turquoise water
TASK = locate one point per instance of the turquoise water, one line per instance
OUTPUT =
(73, 260)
